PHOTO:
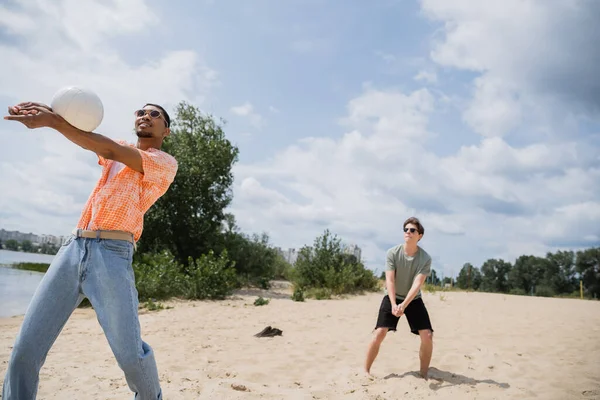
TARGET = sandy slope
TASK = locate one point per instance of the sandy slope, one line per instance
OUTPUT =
(486, 347)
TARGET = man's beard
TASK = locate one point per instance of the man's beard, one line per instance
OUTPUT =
(142, 134)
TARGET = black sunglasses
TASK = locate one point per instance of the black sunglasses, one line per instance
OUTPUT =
(412, 230)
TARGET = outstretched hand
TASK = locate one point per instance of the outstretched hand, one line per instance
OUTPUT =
(32, 115)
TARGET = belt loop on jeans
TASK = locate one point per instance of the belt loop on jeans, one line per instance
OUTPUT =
(98, 235)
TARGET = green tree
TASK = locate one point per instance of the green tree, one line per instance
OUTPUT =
(12, 244)
(469, 277)
(495, 276)
(525, 274)
(561, 274)
(48, 248)
(27, 246)
(433, 279)
(255, 260)
(187, 219)
(283, 269)
(587, 264)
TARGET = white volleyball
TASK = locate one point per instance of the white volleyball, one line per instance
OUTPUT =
(79, 106)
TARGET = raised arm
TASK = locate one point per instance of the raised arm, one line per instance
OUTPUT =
(36, 115)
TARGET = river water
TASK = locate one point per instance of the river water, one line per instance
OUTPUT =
(17, 286)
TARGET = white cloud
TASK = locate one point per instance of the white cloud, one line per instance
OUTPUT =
(247, 110)
(486, 200)
(495, 109)
(387, 57)
(52, 44)
(426, 76)
(537, 60)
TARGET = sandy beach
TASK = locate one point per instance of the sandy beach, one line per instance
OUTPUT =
(486, 346)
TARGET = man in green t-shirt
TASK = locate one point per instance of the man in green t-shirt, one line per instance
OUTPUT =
(407, 267)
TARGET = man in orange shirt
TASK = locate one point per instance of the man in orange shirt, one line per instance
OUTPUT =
(95, 261)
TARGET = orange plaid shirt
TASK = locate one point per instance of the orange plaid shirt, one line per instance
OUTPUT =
(119, 203)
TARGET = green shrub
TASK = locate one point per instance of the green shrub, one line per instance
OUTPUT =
(158, 276)
(210, 277)
(256, 263)
(38, 267)
(152, 306)
(518, 292)
(319, 293)
(261, 301)
(298, 294)
(544, 291)
(428, 287)
(327, 269)
(283, 269)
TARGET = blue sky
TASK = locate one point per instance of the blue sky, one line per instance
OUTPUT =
(480, 119)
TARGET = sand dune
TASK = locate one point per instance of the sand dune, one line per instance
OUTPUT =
(486, 346)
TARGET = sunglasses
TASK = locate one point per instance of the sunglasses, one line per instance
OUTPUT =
(152, 113)
(412, 230)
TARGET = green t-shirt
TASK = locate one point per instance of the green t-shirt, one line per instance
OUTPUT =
(407, 268)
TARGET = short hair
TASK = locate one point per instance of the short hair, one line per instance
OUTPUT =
(415, 221)
(164, 112)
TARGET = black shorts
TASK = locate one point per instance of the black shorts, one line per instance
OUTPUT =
(416, 314)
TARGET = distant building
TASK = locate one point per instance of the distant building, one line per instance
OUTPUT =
(37, 240)
(354, 250)
(291, 256)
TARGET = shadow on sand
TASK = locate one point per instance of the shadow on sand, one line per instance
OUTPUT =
(442, 379)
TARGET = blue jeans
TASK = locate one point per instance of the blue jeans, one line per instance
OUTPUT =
(100, 270)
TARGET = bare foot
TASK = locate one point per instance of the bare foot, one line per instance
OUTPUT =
(369, 376)
(424, 374)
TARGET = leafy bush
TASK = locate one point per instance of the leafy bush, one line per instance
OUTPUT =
(320, 293)
(38, 267)
(210, 277)
(256, 262)
(429, 288)
(152, 306)
(261, 301)
(298, 294)
(544, 291)
(158, 276)
(325, 270)
(518, 292)
(283, 269)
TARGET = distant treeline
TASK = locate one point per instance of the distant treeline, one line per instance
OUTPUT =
(28, 247)
(556, 274)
